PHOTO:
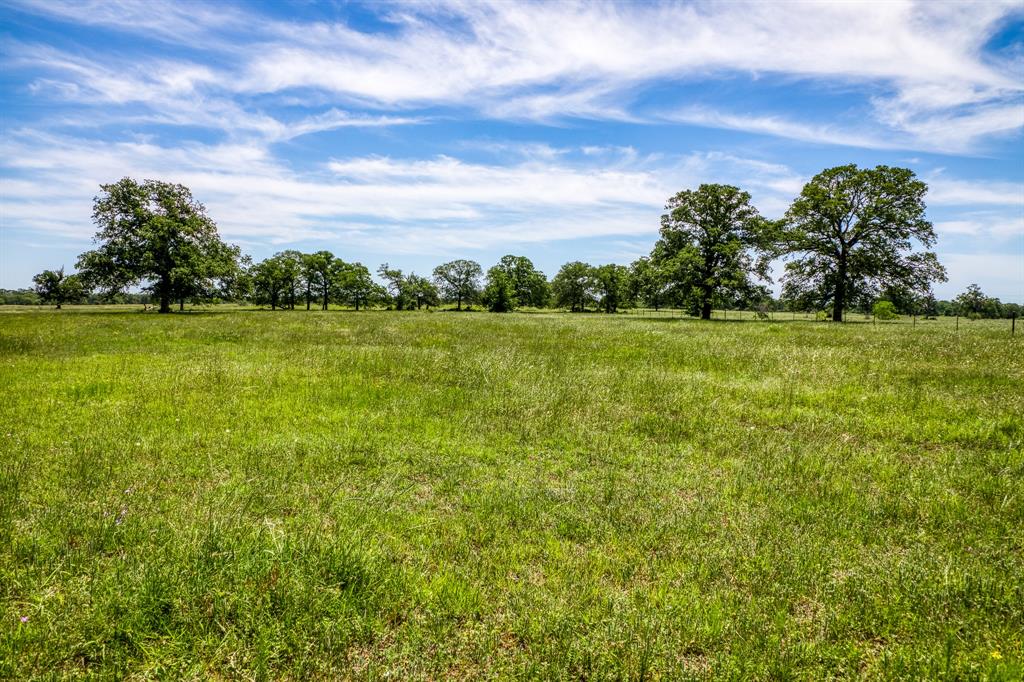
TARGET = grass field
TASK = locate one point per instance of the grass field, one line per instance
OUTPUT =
(299, 495)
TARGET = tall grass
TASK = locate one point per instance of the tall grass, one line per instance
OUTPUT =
(338, 495)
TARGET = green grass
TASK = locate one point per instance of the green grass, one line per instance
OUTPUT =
(333, 495)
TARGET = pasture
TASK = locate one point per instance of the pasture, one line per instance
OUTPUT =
(324, 495)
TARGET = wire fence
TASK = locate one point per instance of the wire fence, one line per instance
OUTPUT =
(954, 321)
(943, 321)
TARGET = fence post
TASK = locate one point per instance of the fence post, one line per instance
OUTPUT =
(958, 323)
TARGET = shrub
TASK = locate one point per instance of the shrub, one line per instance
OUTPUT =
(884, 310)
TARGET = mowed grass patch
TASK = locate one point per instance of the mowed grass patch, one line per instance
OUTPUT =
(331, 494)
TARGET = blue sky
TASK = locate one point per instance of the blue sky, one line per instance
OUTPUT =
(418, 133)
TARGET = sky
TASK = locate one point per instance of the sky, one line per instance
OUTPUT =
(419, 133)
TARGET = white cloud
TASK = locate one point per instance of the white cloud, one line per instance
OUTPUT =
(172, 93)
(586, 59)
(395, 204)
(944, 191)
(543, 61)
(984, 225)
(52, 180)
(165, 20)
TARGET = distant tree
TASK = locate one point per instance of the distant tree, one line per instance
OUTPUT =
(275, 280)
(19, 297)
(396, 288)
(154, 233)
(755, 297)
(353, 285)
(529, 285)
(974, 304)
(648, 284)
(237, 285)
(853, 229)
(291, 273)
(713, 241)
(909, 301)
(884, 310)
(268, 282)
(309, 278)
(611, 285)
(316, 276)
(54, 287)
(500, 292)
(459, 280)
(421, 291)
(573, 286)
(929, 306)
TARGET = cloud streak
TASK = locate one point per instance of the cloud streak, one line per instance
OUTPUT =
(929, 86)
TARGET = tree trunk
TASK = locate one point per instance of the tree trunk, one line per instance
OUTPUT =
(309, 295)
(839, 302)
(165, 295)
(325, 296)
(58, 306)
(459, 304)
(181, 305)
(705, 310)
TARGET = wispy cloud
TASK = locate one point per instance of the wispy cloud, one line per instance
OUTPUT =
(172, 93)
(778, 126)
(545, 61)
(164, 20)
(946, 191)
(366, 198)
(983, 225)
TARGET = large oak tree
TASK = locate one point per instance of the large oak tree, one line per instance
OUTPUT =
(156, 234)
(854, 230)
(713, 243)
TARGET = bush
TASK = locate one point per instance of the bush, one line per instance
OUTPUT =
(884, 310)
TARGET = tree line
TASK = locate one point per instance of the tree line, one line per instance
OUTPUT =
(851, 238)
